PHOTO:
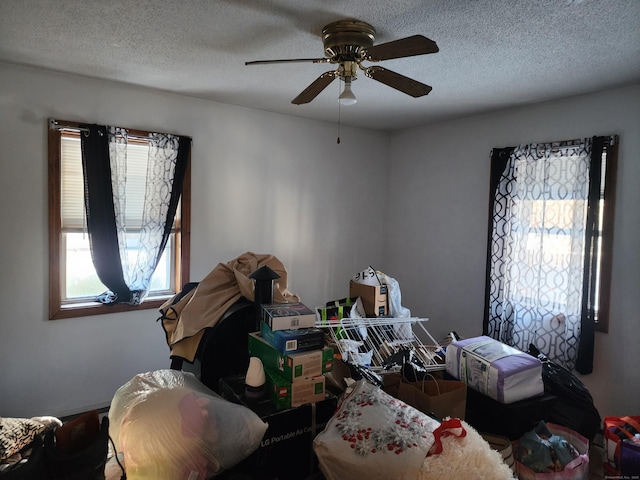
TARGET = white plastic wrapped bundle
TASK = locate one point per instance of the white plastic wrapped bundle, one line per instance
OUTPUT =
(499, 371)
(169, 426)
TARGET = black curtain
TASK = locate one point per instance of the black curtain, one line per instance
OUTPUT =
(184, 149)
(584, 361)
(499, 158)
(100, 211)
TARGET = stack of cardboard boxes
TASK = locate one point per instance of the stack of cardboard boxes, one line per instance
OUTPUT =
(293, 354)
(295, 404)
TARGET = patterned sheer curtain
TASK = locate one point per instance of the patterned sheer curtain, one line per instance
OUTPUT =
(124, 261)
(540, 233)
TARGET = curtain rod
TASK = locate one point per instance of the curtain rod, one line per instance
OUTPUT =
(55, 125)
(577, 141)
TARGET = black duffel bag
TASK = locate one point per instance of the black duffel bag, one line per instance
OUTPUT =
(574, 407)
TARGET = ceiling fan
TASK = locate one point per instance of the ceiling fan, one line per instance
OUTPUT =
(348, 43)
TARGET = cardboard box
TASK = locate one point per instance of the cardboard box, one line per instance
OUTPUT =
(294, 366)
(287, 394)
(293, 341)
(288, 316)
(286, 450)
(374, 298)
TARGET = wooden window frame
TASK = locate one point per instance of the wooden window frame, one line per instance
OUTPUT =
(182, 251)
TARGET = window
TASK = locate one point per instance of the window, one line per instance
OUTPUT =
(73, 282)
(549, 257)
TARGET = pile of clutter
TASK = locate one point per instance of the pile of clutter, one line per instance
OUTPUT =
(545, 451)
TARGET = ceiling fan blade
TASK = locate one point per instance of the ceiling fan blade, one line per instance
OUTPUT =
(397, 81)
(405, 47)
(291, 60)
(315, 88)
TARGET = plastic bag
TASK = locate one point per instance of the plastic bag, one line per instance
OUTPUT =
(574, 405)
(170, 426)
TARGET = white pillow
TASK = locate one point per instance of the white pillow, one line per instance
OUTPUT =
(374, 436)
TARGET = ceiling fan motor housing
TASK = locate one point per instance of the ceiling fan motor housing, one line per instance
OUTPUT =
(343, 40)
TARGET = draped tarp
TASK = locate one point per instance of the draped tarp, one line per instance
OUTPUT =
(185, 320)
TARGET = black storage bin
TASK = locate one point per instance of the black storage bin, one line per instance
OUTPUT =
(286, 450)
(511, 420)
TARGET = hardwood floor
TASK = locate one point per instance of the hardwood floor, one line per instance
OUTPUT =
(596, 459)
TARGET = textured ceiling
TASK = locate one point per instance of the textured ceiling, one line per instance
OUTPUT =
(493, 53)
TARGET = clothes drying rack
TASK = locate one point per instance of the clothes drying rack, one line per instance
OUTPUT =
(373, 342)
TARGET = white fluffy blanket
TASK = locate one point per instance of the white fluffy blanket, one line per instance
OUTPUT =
(467, 457)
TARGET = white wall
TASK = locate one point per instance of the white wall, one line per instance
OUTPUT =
(276, 184)
(260, 182)
(438, 208)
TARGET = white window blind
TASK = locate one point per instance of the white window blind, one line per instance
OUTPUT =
(72, 191)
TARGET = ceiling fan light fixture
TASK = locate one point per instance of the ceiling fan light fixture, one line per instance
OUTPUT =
(347, 97)
(347, 43)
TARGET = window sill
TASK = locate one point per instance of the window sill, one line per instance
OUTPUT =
(87, 309)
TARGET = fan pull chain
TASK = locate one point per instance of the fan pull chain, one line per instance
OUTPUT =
(338, 140)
